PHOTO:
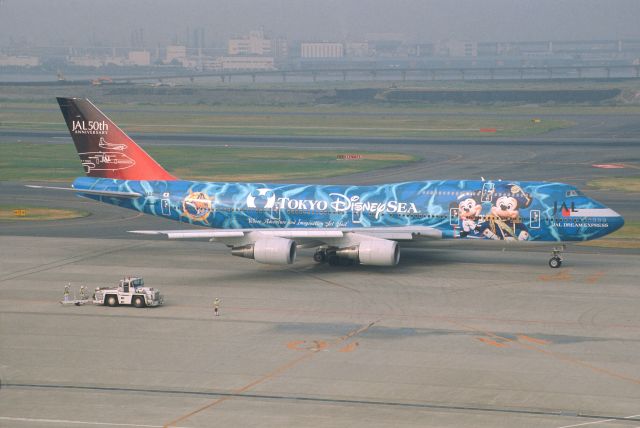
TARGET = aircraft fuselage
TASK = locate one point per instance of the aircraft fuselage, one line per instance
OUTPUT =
(456, 209)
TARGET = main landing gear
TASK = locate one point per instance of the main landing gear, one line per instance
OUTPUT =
(328, 255)
(320, 255)
(556, 257)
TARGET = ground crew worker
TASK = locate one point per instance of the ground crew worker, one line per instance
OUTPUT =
(216, 306)
(67, 292)
(83, 292)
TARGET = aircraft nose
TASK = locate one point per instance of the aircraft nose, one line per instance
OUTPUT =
(616, 221)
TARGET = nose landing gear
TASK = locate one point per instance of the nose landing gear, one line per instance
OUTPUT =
(556, 257)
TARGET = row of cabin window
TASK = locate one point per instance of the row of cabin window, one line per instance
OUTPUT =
(415, 215)
(453, 193)
(418, 215)
(464, 192)
(577, 219)
(287, 211)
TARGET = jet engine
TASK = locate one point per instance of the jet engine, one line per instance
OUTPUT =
(377, 252)
(274, 251)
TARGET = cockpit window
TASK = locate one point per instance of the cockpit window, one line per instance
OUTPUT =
(571, 193)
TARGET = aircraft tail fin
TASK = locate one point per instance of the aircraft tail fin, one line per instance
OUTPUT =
(104, 149)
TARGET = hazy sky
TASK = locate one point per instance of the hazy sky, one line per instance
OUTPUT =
(78, 22)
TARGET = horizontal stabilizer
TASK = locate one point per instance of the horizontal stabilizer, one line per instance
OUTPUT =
(112, 193)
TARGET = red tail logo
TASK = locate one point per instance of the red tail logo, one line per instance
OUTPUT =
(104, 149)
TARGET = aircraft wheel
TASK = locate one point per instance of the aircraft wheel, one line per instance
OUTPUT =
(555, 262)
(320, 257)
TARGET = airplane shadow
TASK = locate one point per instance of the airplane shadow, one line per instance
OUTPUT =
(412, 262)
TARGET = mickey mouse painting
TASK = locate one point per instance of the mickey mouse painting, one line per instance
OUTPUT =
(505, 220)
(469, 209)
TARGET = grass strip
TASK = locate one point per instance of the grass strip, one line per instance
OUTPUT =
(59, 162)
(625, 184)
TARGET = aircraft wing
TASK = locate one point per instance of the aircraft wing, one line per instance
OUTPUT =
(304, 237)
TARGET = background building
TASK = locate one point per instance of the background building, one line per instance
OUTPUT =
(253, 44)
(357, 49)
(387, 45)
(280, 48)
(195, 38)
(140, 58)
(175, 54)
(19, 61)
(321, 50)
(457, 48)
(243, 63)
(137, 38)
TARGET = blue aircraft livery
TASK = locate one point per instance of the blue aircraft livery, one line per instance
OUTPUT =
(346, 224)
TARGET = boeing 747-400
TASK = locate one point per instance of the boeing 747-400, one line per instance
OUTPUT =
(346, 224)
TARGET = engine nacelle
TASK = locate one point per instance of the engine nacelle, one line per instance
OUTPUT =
(273, 251)
(373, 252)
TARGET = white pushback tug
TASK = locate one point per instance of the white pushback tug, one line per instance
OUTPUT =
(130, 291)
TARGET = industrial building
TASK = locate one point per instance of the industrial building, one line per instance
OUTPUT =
(321, 50)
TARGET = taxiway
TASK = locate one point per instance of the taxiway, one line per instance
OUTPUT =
(451, 337)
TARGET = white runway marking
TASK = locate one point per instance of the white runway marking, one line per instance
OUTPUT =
(597, 422)
(64, 421)
(588, 423)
